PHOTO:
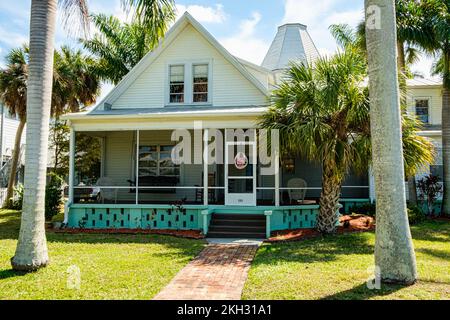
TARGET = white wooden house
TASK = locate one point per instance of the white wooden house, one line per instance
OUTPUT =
(191, 85)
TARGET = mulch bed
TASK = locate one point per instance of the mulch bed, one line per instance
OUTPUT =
(189, 234)
(348, 224)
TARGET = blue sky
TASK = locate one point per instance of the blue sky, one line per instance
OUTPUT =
(245, 27)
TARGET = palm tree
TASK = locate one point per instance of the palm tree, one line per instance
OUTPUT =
(322, 113)
(13, 92)
(437, 18)
(120, 46)
(31, 252)
(394, 252)
(412, 32)
(76, 83)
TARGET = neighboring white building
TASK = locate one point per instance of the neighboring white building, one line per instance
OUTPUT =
(8, 128)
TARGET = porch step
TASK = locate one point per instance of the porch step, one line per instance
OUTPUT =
(237, 226)
(237, 235)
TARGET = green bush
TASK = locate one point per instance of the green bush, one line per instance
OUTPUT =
(415, 215)
(367, 209)
(15, 203)
(53, 196)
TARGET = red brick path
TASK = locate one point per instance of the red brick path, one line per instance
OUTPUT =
(217, 273)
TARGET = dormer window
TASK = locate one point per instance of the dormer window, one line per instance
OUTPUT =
(200, 83)
(176, 75)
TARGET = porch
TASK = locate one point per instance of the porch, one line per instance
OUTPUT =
(130, 179)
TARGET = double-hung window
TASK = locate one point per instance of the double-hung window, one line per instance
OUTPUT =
(157, 161)
(177, 86)
(200, 83)
(422, 110)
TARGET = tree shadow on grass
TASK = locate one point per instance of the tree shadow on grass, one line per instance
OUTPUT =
(431, 230)
(362, 292)
(441, 254)
(322, 249)
(10, 273)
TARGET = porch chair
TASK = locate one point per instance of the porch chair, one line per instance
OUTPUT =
(108, 194)
(297, 195)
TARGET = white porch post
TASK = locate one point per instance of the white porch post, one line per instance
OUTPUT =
(71, 164)
(137, 166)
(71, 174)
(205, 167)
(277, 178)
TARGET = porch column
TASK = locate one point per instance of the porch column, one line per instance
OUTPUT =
(205, 167)
(277, 178)
(71, 164)
(137, 166)
(71, 174)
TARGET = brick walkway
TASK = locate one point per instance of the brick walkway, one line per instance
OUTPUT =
(217, 273)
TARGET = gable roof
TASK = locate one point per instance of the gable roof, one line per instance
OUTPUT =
(170, 36)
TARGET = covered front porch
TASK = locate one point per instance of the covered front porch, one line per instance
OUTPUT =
(130, 179)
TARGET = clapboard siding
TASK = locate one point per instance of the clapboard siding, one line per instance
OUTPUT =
(9, 135)
(435, 96)
(120, 156)
(230, 87)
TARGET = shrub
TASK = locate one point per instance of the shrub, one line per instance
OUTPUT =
(367, 209)
(415, 215)
(429, 188)
(53, 196)
(15, 203)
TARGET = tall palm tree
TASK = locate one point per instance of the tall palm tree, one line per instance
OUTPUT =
(120, 46)
(13, 93)
(437, 17)
(322, 113)
(75, 85)
(412, 32)
(394, 252)
(31, 252)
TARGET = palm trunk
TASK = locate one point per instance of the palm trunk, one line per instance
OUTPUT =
(401, 62)
(14, 163)
(446, 149)
(329, 200)
(394, 253)
(31, 252)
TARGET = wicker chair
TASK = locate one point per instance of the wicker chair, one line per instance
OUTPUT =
(296, 194)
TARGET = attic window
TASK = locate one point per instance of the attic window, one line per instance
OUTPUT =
(200, 72)
(177, 84)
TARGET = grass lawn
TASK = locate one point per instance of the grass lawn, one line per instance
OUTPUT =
(111, 266)
(336, 267)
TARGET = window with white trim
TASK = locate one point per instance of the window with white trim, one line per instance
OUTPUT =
(200, 83)
(422, 109)
(156, 160)
(177, 85)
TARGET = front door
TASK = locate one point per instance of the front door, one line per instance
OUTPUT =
(240, 173)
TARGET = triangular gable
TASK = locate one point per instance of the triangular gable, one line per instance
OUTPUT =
(170, 36)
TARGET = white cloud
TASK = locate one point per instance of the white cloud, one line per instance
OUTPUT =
(245, 44)
(12, 39)
(320, 14)
(203, 14)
